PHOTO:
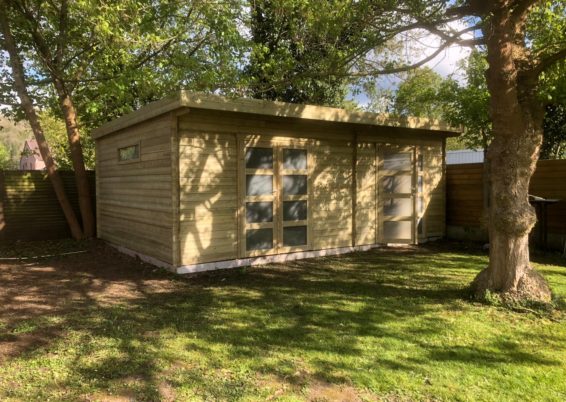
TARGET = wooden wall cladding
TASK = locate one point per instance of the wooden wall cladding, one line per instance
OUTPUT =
(135, 202)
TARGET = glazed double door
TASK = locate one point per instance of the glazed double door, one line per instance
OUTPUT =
(274, 199)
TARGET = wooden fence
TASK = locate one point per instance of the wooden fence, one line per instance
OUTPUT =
(29, 209)
(464, 198)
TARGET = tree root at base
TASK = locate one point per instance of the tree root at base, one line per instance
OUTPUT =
(532, 287)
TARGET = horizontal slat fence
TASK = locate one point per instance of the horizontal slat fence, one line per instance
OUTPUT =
(464, 197)
(29, 209)
(464, 194)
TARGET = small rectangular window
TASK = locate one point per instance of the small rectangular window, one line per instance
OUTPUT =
(257, 212)
(259, 239)
(397, 229)
(294, 185)
(294, 210)
(400, 184)
(397, 161)
(295, 159)
(129, 153)
(398, 207)
(259, 184)
(295, 236)
(259, 158)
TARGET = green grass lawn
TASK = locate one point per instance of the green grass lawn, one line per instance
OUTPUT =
(380, 325)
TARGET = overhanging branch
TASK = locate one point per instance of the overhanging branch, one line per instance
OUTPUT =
(546, 62)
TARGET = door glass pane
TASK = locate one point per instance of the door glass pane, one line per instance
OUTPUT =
(397, 230)
(294, 235)
(420, 184)
(398, 161)
(397, 184)
(259, 239)
(294, 185)
(294, 210)
(398, 207)
(420, 162)
(259, 184)
(259, 212)
(294, 159)
(259, 158)
(420, 205)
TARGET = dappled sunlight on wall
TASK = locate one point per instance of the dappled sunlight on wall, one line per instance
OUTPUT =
(366, 194)
(434, 200)
(331, 178)
(214, 178)
(208, 196)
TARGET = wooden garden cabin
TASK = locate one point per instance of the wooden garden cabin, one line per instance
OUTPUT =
(197, 182)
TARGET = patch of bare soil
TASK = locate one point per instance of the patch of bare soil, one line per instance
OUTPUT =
(34, 290)
(323, 392)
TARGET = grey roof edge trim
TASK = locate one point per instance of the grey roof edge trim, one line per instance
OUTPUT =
(144, 113)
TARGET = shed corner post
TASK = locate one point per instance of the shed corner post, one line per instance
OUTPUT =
(240, 190)
(354, 186)
(175, 191)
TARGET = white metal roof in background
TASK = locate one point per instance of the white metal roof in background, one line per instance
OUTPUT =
(464, 156)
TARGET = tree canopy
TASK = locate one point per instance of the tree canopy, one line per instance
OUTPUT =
(465, 103)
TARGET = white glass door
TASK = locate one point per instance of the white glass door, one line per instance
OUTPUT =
(396, 194)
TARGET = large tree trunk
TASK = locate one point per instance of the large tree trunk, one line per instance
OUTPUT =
(81, 179)
(27, 105)
(517, 127)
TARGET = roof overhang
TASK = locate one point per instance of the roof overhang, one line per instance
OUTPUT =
(185, 99)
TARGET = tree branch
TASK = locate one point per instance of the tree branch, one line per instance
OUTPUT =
(521, 9)
(546, 62)
(62, 39)
(38, 39)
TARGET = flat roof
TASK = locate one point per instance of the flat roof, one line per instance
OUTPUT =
(187, 99)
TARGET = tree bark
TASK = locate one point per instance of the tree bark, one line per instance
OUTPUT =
(81, 179)
(27, 105)
(53, 66)
(512, 156)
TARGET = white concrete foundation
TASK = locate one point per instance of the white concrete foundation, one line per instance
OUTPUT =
(242, 262)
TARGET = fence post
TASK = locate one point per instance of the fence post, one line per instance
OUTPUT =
(2, 217)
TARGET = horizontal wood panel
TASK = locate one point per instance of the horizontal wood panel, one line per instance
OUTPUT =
(135, 197)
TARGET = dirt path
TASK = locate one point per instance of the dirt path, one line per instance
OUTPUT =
(35, 290)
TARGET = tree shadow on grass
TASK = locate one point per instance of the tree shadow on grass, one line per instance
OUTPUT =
(213, 335)
(498, 352)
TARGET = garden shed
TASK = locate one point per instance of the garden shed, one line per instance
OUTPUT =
(196, 182)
